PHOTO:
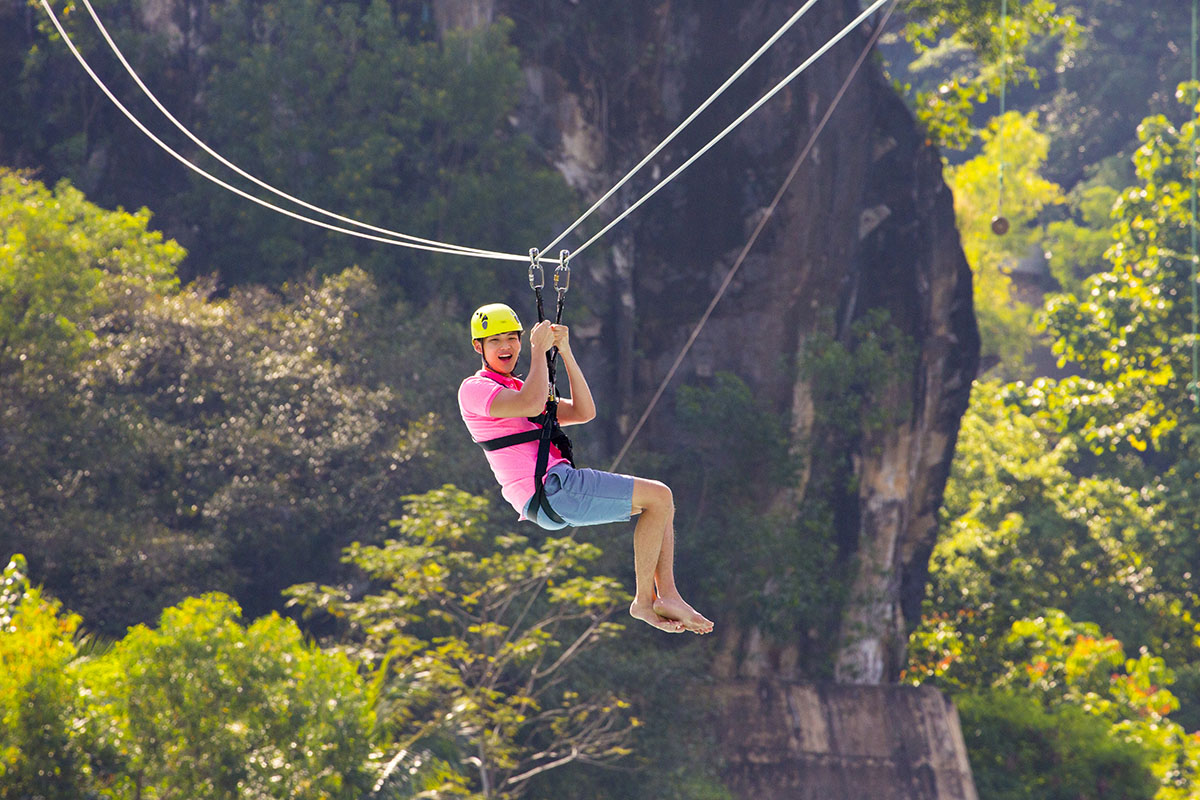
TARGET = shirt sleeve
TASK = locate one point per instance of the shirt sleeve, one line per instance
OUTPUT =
(476, 394)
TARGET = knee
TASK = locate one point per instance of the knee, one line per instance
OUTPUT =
(653, 495)
(665, 495)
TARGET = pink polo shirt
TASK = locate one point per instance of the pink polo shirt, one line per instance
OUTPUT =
(512, 466)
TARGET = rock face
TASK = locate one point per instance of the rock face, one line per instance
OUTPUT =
(865, 232)
(464, 14)
(831, 741)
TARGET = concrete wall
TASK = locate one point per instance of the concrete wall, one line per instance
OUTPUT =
(804, 741)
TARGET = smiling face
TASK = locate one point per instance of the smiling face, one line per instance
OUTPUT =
(500, 351)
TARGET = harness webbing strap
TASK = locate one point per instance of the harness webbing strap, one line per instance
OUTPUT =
(500, 442)
(547, 433)
(540, 501)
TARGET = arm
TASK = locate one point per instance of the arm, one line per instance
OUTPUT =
(580, 407)
(531, 399)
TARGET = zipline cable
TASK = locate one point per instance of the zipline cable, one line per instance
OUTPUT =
(1195, 252)
(1000, 222)
(184, 130)
(167, 148)
(737, 264)
(410, 241)
(761, 101)
(719, 91)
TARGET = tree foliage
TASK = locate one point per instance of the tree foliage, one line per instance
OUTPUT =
(200, 706)
(1004, 179)
(1024, 531)
(39, 755)
(477, 638)
(1021, 749)
(1071, 514)
(160, 441)
(63, 261)
(358, 108)
(992, 51)
(361, 107)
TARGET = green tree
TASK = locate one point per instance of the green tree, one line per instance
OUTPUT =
(358, 108)
(62, 261)
(1128, 335)
(1120, 69)
(1020, 749)
(476, 639)
(1065, 713)
(1130, 325)
(986, 50)
(1078, 494)
(1025, 531)
(202, 706)
(65, 127)
(1005, 175)
(1075, 246)
(40, 758)
(159, 442)
(65, 266)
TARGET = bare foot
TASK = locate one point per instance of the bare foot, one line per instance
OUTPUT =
(675, 608)
(647, 615)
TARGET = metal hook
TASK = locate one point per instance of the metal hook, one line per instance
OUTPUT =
(537, 275)
(562, 273)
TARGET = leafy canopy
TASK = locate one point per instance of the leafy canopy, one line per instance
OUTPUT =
(40, 755)
(202, 706)
(476, 639)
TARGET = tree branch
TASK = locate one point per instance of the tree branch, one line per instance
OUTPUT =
(524, 776)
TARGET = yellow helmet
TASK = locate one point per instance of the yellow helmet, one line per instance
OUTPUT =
(492, 319)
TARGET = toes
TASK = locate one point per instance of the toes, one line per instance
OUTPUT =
(658, 621)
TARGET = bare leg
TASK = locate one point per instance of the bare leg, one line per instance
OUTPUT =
(670, 603)
(654, 557)
(653, 501)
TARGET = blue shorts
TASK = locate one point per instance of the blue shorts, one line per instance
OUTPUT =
(584, 497)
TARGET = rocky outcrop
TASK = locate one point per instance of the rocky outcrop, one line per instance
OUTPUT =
(786, 741)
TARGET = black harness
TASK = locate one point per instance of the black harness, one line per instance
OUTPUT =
(548, 432)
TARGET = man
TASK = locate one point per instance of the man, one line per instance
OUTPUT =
(495, 403)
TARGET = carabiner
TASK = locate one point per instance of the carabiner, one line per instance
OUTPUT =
(562, 273)
(537, 275)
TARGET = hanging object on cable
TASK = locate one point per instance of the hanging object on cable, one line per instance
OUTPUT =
(1194, 386)
(1000, 222)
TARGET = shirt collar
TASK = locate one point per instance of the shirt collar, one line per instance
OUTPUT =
(499, 377)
